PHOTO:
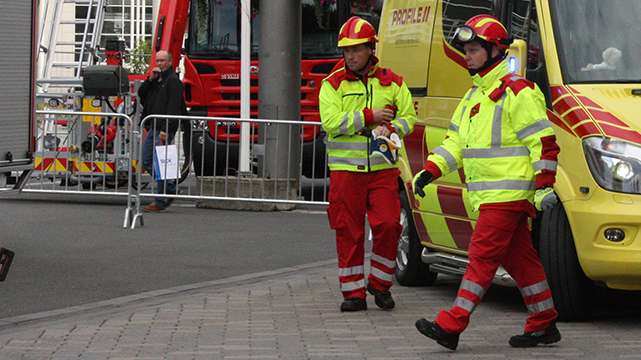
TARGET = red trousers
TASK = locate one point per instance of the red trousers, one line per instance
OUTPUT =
(352, 195)
(501, 237)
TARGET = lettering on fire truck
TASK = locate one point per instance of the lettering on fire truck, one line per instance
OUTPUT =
(411, 15)
(235, 76)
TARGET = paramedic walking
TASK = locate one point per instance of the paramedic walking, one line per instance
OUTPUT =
(161, 93)
(355, 100)
(502, 138)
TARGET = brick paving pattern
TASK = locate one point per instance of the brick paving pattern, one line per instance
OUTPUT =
(294, 314)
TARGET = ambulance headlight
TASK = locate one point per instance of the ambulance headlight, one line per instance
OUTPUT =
(614, 164)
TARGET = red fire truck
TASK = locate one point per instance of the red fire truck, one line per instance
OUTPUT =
(212, 72)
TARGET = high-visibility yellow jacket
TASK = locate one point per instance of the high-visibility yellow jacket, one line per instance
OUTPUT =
(501, 136)
(345, 104)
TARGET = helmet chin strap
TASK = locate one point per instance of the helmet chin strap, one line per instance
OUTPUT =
(490, 60)
(366, 66)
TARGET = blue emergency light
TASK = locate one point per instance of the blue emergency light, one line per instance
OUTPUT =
(513, 65)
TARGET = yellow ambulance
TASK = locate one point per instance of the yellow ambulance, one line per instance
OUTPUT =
(585, 56)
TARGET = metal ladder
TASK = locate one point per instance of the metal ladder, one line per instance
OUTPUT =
(82, 53)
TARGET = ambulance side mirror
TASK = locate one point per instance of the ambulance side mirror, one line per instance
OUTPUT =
(517, 57)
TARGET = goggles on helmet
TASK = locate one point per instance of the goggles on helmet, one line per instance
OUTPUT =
(465, 34)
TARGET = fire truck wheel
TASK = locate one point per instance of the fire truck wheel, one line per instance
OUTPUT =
(410, 269)
(572, 291)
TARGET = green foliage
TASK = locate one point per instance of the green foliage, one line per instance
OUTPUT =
(137, 61)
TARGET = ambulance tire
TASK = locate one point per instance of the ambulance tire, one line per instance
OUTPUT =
(410, 269)
(571, 289)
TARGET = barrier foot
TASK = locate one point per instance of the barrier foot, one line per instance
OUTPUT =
(127, 218)
(137, 216)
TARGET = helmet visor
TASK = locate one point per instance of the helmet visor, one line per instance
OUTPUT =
(464, 34)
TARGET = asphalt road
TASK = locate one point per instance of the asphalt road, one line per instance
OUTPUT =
(72, 250)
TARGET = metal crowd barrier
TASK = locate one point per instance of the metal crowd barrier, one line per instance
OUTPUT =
(281, 174)
(82, 153)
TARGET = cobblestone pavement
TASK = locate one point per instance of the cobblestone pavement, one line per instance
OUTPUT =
(293, 313)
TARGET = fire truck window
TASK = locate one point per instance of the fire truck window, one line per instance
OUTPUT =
(215, 27)
(457, 12)
(320, 27)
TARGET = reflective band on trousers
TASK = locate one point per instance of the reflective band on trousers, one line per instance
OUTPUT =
(465, 304)
(354, 285)
(475, 289)
(386, 262)
(354, 270)
(381, 275)
(535, 289)
(540, 306)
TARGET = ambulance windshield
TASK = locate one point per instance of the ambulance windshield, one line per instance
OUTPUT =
(215, 30)
(598, 41)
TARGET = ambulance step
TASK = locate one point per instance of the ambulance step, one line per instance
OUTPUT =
(455, 265)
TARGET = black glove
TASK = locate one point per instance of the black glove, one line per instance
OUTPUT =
(421, 180)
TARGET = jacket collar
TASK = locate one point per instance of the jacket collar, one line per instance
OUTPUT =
(165, 74)
(486, 79)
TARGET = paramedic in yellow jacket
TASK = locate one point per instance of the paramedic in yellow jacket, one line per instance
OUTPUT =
(502, 138)
(355, 100)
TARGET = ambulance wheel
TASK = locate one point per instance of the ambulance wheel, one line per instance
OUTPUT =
(410, 269)
(571, 289)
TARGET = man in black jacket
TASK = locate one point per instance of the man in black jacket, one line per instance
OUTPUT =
(161, 93)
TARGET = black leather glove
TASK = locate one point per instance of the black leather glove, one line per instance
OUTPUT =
(421, 180)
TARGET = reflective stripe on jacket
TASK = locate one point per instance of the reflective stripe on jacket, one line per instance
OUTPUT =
(501, 144)
(344, 104)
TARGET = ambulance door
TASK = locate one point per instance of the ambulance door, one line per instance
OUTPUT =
(445, 214)
(405, 33)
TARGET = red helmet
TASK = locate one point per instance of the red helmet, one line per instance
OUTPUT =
(484, 27)
(356, 31)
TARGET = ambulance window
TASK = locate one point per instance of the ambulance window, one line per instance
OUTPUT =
(457, 12)
(524, 26)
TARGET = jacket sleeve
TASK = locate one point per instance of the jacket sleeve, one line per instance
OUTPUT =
(175, 99)
(335, 120)
(405, 112)
(143, 90)
(448, 157)
(530, 121)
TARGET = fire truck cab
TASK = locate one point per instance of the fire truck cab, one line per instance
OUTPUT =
(584, 57)
(212, 73)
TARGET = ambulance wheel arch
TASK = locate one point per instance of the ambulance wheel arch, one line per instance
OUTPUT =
(410, 269)
(573, 292)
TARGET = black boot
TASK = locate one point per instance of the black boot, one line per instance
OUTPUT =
(433, 331)
(354, 304)
(533, 338)
(382, 298)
